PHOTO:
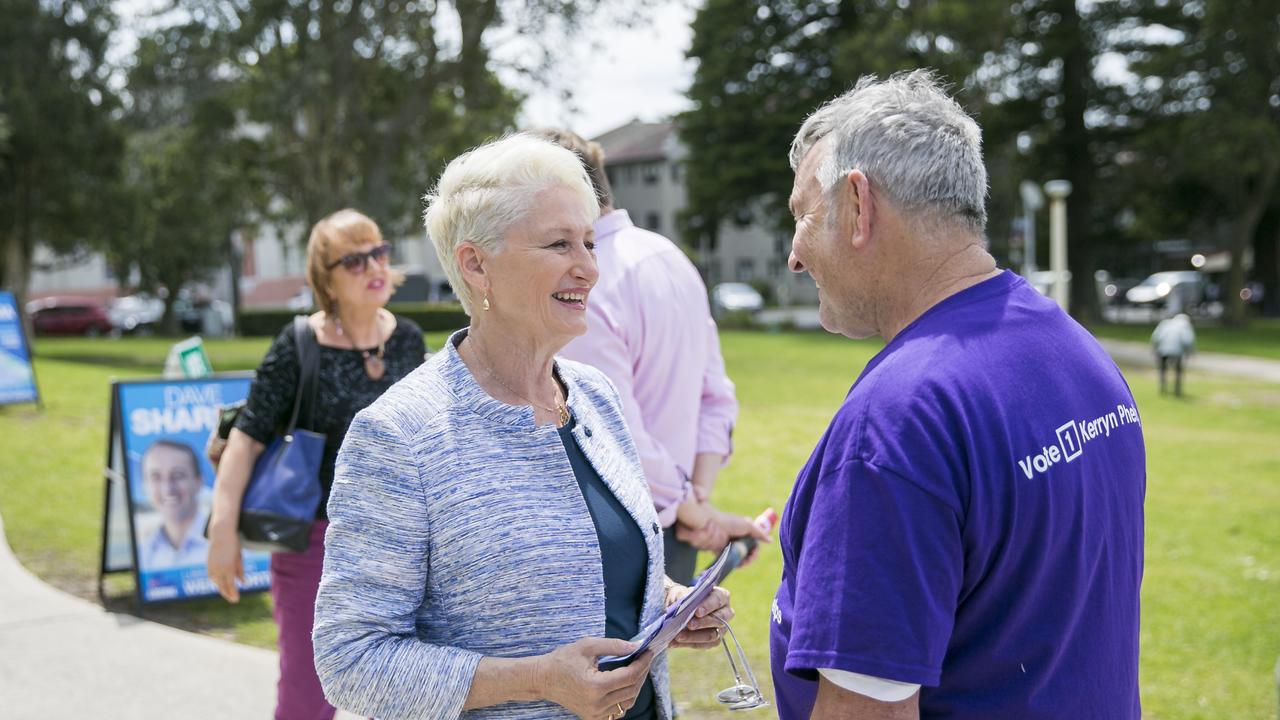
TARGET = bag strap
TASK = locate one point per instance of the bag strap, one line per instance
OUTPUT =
(308, 349)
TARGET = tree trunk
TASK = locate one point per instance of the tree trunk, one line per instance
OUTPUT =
(1246, 226)
(235, 255)
(1076, 83)
(17, 274)
(1271, 300)
(169, 325)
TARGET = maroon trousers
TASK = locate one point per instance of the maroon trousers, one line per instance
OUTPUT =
(295, 578)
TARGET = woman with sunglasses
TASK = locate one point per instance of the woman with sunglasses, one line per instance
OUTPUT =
(363, 350)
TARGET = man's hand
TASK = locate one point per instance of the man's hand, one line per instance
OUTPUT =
(706, 466)
(717, 529)
(710, 536)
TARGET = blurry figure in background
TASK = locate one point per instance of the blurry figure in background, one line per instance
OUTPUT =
(171, 474)
(364, 349)
(649, 329)
(1173, 340)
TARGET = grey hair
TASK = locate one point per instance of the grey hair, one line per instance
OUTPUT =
(912, 141)
(486, 190)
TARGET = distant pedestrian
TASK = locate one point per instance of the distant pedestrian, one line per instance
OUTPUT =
(1173, 340)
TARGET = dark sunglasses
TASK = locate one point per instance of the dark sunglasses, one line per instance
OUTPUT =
(358, 262)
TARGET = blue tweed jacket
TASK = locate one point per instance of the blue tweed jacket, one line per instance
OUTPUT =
(457, 530)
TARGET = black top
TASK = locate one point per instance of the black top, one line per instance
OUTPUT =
(343, 388)
(623, 556)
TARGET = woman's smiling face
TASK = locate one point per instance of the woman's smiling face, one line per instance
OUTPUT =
(541, 277)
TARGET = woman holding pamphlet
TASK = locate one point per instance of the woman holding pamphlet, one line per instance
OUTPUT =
(492, 540)
(362, 350)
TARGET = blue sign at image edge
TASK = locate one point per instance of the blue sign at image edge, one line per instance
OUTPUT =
(17, 376)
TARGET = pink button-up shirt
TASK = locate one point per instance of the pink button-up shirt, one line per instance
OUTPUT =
(649, 328)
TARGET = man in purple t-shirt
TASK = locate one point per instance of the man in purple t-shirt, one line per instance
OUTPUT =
(966, 539)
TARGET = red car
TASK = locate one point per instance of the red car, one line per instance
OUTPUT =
(69, 316)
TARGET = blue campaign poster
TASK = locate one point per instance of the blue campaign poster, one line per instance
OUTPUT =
(165, 425)
(17, 378)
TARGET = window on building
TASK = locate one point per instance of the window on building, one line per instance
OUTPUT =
(650, 172)
(653, 222)
(746, 269)
(713, 271)
(628, 174)
(676, 172)
(612, 175)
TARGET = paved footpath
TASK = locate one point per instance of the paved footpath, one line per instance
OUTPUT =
(64, 657)
(1237, 366)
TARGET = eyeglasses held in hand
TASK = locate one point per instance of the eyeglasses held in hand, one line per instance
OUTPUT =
(357, 262)
(745, 693)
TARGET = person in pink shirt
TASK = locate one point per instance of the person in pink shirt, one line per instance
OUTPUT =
(649, 329)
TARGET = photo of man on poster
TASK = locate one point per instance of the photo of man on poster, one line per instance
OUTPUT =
(159, 428)
(173, 482)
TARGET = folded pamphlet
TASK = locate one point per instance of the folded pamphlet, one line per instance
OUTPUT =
(659, 633)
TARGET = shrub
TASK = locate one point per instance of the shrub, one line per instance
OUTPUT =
(431, 317)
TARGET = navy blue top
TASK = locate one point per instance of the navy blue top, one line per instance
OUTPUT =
(622, 555)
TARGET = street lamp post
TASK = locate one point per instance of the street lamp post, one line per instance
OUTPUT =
(1032, 200)
(1058, 190)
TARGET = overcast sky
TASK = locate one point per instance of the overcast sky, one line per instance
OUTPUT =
(634, 73)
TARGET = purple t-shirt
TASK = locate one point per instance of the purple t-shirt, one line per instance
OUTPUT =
(972, 521)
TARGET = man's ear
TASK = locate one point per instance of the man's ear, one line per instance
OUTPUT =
(860, 205)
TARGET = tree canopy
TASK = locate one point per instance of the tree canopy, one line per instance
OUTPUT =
(61, 147)
(1111, 95)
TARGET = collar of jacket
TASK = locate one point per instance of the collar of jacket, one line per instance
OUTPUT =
(468, 392)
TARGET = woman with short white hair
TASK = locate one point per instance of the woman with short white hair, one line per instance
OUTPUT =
(491, 533)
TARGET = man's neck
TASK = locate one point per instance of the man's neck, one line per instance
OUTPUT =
(176, 533)
(928, 278)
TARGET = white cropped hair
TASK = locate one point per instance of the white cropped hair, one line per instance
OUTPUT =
(488, 189)
(911, 140)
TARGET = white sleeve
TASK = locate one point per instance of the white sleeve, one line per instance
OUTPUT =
(873, 687)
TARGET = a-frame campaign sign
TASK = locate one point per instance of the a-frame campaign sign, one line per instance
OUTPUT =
(159, 486)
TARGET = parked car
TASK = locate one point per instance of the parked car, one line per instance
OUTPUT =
(138, 314)
(202, 316)
(67, 315)
(1115, 290)
(302, 301)
(1177, 289)
(733, 297)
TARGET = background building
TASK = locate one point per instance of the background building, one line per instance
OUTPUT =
(645, 165)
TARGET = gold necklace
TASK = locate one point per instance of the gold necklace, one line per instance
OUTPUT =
(374, 366)
(560, 410)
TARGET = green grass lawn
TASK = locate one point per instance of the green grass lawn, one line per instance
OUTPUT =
(1260, 339)
(1211, 594)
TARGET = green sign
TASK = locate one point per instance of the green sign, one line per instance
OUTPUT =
(187, 359)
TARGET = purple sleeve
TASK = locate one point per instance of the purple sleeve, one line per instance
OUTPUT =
(878, 576)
